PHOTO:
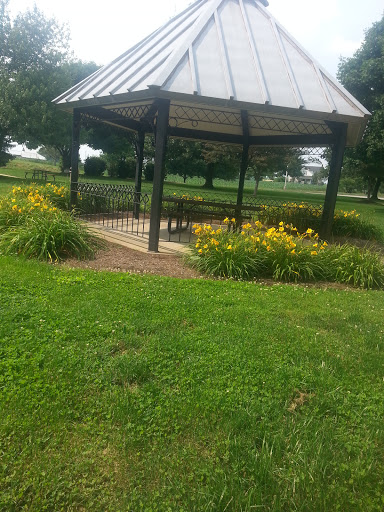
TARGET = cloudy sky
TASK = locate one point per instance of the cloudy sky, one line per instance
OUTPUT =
(101, 31)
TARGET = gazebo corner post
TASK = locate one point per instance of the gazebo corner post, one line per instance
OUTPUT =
(76, 124)
(159, 174)
(335, 166)
(139, 172)
(243, 168)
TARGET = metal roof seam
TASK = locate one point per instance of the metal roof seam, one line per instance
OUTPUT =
(224, 57)
(147, 74)
(325, 73)
(255, 56)
(325, 89)
(113, 65)
(192, 67)
(287, 64)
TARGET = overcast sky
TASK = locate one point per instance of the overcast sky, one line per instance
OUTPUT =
(101, 31)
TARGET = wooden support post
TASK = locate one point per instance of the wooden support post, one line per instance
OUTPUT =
(158, 177)
(340, 131)
(139, 171)
(75, 155)
(243, 168)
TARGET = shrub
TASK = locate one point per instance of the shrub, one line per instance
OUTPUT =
(94, 166)
(351, 185)
(50, 237)
(352, 265)
(31, 225)
(149, 171)
(351, 224)
(126, 168)
(282, 254)
(304, 216)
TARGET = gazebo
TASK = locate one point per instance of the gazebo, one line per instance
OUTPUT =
(220, 71)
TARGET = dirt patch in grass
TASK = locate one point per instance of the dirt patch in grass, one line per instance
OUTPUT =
(299, 400)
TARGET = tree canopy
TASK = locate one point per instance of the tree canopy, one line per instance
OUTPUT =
(271, 162)
(35, 67)
(363, 76)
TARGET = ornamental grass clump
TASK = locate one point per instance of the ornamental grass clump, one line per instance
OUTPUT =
(359, 267)
(31, 225)
(350, 223)
(283, 254)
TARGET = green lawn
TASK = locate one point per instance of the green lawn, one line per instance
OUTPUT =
(127, 392)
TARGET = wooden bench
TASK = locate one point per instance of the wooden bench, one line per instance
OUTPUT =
(41, 174)
(187, 210)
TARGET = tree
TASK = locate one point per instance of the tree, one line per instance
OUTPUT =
(118, 147)
(363, 76)
(4, 108)
(221, 161)
(184, 158)
(271, 162)
(35, 67)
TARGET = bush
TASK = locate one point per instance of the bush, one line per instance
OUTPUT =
(304, 216)
(94, 166)
(282, 254)
(50, 237)
(348, 264)
(149, 171)
(351, 185)
(126, 169)
(31, 225)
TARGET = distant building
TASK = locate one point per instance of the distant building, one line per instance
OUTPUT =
(309, 171)
(23, 152)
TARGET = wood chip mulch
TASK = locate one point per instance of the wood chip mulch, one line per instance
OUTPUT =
(122, 259)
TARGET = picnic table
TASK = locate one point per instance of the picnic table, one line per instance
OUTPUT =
(41, 174)
(184, 210)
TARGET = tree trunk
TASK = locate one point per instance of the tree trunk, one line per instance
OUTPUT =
(257, 181)
(209, 176)
(375, 189)
(65, 162)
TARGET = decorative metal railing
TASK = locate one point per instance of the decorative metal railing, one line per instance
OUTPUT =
(183, 211)
(115, 206)
(120, 207)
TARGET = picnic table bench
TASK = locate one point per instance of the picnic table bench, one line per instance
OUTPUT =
(184, 210)
(41, 174)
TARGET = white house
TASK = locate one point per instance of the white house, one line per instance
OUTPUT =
(309, 171)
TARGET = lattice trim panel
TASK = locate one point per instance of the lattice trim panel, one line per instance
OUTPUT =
(288, 126)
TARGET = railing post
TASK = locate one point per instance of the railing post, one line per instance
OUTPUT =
(335, 166)
(158, 177)
(76, 121)
(139, 172)
(243, 168)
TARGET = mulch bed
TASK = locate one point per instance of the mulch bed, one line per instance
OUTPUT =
(122, 259)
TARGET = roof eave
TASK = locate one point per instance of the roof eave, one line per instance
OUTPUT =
(356, 124)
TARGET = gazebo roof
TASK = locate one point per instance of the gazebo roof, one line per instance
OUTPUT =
(223, 56)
